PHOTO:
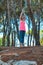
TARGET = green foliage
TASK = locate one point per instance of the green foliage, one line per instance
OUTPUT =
(18, 10)
(23, 3)
(30, 32)
(41, 41)
(0, 41)
(41, 31)
(41, 1)
(41, 14)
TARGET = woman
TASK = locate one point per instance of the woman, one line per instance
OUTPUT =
(22, 29)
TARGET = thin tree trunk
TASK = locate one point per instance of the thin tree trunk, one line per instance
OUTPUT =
(3, 44)
(12, 39)
(29, 31)
(8, 22)
(38, 31)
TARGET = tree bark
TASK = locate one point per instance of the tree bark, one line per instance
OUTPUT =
(15, 18)
(8, 22)
(33, 22)
(4, 33)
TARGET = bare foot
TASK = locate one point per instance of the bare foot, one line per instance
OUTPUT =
(21, 45)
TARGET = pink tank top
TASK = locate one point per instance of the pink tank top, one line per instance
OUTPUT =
(22, 25)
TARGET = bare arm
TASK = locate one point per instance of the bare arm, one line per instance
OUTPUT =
(22, 14)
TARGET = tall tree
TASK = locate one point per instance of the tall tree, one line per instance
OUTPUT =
(4, 32)
(15, 16)
(8, 22)
(33, 23)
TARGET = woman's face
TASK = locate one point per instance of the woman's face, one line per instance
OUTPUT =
(23, 18)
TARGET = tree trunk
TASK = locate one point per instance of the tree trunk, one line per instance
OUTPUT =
(38, 30)
(15, 18)
(29, 30)
(4, 33)
(33, 22)
(8, 22)
(13, 39)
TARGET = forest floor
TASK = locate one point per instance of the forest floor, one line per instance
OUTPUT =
(23, 53)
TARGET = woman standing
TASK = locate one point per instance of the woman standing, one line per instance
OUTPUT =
(22, 29)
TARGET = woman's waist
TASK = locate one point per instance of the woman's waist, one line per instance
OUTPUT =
(22, 29)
